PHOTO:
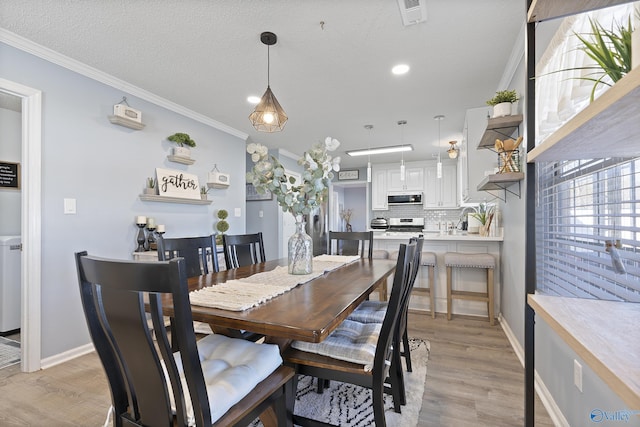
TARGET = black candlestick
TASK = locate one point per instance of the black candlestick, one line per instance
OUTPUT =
(141, 239)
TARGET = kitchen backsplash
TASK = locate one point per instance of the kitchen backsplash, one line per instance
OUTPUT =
(431, 217)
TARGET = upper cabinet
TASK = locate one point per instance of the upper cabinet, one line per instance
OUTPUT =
(413, 181)
(608, 127)
(473, 163)
(440, 193)
(379, 188)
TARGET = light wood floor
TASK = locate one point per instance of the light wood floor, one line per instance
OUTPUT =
(473, 379)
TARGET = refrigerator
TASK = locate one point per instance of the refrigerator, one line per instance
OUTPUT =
(317, 222)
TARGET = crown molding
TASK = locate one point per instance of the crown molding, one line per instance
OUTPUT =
(64, 61)
(516, 56)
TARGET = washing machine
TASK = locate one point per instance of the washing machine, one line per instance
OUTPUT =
(10, 284)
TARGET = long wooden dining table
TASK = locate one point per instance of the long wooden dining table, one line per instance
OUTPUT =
(308, 312)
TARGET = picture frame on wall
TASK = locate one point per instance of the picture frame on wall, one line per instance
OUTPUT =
(9, 175)
(348, 175)
(253, 195)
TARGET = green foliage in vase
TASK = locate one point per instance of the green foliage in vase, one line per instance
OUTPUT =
(151, 183)
(503, 96)
(182, 139)
(483, 212)
(299, 198)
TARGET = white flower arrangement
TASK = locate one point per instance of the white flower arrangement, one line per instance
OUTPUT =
(302, 197)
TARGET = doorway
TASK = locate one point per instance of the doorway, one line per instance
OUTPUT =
(347, 196)
(30, 228)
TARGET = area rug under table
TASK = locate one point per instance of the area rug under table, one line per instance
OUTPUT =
(348, 405)
(9, 352)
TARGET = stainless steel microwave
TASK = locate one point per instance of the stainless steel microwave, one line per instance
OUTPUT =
(409, 198)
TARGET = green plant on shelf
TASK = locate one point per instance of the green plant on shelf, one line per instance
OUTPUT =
(151, 183)
(182, 139)
(501, 96)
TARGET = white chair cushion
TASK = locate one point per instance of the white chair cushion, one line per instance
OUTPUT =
(353, 341)
(369, 312)
(232, 368)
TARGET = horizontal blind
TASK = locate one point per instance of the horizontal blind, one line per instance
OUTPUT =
(579, 206)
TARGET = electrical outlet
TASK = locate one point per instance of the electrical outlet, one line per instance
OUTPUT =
(577, 374)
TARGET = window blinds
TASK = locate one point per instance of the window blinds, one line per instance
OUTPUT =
(579, 206)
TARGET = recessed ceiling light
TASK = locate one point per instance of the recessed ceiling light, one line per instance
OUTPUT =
(253, 99)
(400, 69)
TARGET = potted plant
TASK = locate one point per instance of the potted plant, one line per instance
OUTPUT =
(182, 140)
(480, 220)
(151, 186)
(222, 226)
(502, 102)
(203, 192)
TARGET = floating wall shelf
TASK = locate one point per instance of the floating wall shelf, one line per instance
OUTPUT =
(502, 182)
(165, 199)
(608, 127)
(499, 128)
(183, 160)
(128, 123)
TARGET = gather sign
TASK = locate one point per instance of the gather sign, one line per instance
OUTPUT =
(174, 183)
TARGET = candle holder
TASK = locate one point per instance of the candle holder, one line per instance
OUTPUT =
(141, 238)
(151, 240)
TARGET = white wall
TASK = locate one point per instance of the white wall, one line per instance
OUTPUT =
(104, 166)
(10, 137)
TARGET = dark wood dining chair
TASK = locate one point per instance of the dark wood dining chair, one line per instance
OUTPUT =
(375, 312)
(351, 243)
(150, 385)
(201, 258)
(199, 253)
(243, 249)
(359, 353)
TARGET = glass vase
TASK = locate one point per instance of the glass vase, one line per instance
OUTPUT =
(300, 250)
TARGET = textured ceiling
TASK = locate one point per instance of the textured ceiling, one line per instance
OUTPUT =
(331, 79)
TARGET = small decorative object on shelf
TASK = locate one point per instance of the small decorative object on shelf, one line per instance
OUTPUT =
(151, 186)
(141, 222)
(203, 192)
(346, 215)
(217, 179)
(508, 155)
(483, 215)
(298, 198)
(502, 101)
(151, 244)
(126, 116)
(182, 139)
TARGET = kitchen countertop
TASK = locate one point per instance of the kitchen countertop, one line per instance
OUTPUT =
(435, 235)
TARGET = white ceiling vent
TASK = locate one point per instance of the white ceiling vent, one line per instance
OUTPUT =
(413, 11)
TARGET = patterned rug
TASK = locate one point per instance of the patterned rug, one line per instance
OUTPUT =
(9, 352)
(348, 405)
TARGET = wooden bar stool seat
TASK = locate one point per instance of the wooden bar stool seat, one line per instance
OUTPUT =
(462, 260)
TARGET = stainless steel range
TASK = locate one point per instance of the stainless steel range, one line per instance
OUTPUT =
(408, 225)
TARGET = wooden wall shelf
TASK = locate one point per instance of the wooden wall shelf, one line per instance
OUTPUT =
(608, 127)
(131, 124)
(165, 199)
(499, 128)
(502, 182)
(183, 160)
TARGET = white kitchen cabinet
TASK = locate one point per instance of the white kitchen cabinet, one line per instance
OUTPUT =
(472, 163)
(379, 188)
(414, 178)
(440, 193)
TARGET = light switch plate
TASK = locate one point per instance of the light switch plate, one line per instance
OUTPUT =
(237, 212)
(69, 206)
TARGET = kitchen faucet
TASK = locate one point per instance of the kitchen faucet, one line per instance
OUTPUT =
(463, 216)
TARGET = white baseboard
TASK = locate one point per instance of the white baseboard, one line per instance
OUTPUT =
(543, 393)
(66, 356)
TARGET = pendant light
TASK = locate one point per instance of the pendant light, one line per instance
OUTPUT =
(369, 127)
(453, 150)
(439, 118)
(268, 115)
(401, 123)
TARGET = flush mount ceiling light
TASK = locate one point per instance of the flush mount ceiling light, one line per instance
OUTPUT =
(380, 150)
(453, 150)
(268, 115)
(400, 69)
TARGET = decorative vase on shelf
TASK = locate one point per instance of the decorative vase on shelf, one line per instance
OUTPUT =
(502, 109)
(184, 152)
(300, 250)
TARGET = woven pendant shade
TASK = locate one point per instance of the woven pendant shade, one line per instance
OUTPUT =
(268, 115)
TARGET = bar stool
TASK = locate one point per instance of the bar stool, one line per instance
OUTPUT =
(428, 260)
(462, 260)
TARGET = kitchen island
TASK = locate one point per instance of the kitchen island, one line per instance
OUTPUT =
(468, 279)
